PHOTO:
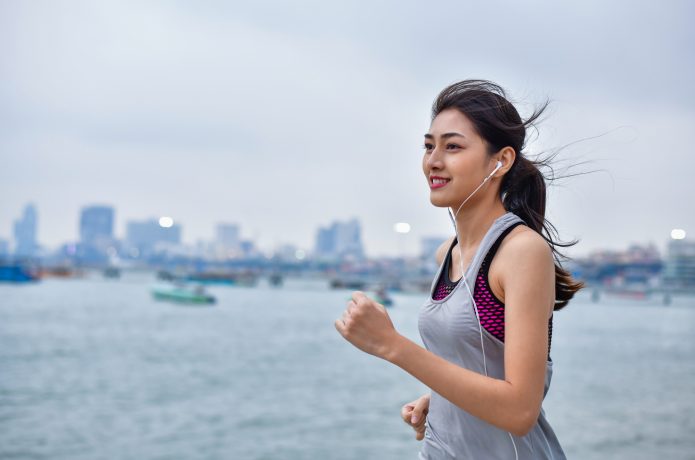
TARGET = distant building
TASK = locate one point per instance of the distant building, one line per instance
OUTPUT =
(96, 234)
(4, 248)
(249, 249)
(96, 225)
(679, 269)
(340, 240)
(150, 236)
(325, 242)
(635, 253)
(227, 235)
(25, 233)
(288, 253)
(227, 243)
(639, 264)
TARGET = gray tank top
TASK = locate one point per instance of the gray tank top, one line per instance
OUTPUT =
(449, 328)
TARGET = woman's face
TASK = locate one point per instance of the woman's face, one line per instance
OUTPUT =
(455, 161)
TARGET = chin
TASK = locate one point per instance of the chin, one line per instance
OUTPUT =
(439, 203)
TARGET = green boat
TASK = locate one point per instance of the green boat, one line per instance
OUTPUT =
(182, 294)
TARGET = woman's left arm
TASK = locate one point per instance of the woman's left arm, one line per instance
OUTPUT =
(512, 404)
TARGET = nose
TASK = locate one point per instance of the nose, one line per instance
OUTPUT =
(433, 160)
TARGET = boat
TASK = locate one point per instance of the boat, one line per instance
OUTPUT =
(382, 297)
(112, 272)
(247, 279)
(164, 275)
(275, 279)
(17, 273)
(182, 293)
(61, 271)
(354, 284)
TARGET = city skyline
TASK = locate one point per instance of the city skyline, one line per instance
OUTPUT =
(284, 122)
(97, 239)
(225, 232)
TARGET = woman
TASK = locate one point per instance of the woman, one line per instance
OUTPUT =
(487, 335)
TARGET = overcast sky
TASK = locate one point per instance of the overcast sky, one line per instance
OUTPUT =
(285, 116)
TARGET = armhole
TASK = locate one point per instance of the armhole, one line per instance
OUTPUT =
(446, 264)
(485, 271)
(485, 267)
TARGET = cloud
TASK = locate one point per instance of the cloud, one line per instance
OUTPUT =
(285, 117)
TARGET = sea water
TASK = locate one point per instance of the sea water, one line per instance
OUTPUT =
(97, 369)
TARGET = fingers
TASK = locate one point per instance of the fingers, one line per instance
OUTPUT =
(359, 296)
(340, 326)
(407, 415)
(420, 427)
(407, 412)
(353, 309)
(341, 323)
(415, 415)
(357, 304)
(360, 301)
(420, 433)
(420, 410)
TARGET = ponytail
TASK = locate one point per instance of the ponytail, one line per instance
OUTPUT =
(523, 192)
(523, 188)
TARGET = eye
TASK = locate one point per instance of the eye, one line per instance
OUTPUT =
(428, 147)
(452, 146)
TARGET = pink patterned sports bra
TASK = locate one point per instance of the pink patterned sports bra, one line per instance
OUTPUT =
(490, 308)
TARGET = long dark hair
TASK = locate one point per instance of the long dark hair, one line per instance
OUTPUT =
(523, 188)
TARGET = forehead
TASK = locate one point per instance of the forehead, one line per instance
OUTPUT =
(451, 120)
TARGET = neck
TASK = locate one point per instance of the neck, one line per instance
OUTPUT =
(474, 222)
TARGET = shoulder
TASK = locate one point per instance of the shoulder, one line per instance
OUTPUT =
(443, 248)
(525, 263)
(522, 249)
(524, 252)
(523, 269)
(524, 242)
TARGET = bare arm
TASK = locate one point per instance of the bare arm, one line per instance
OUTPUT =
(512, 404)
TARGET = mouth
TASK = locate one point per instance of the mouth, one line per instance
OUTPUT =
(438, 182)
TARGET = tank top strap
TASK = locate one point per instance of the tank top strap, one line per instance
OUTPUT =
(487, 260)
(499, 226)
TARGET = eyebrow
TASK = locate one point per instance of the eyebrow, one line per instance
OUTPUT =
(445, 135)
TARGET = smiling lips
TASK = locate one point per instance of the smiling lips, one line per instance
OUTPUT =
(438, 182)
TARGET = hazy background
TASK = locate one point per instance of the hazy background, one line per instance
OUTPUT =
(283, 116)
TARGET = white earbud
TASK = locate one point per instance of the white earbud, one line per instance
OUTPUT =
(499, 165)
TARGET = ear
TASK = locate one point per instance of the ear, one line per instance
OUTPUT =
(507, 156)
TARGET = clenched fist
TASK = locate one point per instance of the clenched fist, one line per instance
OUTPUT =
(366, 324)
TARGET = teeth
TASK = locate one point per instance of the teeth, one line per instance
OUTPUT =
(439, 181)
